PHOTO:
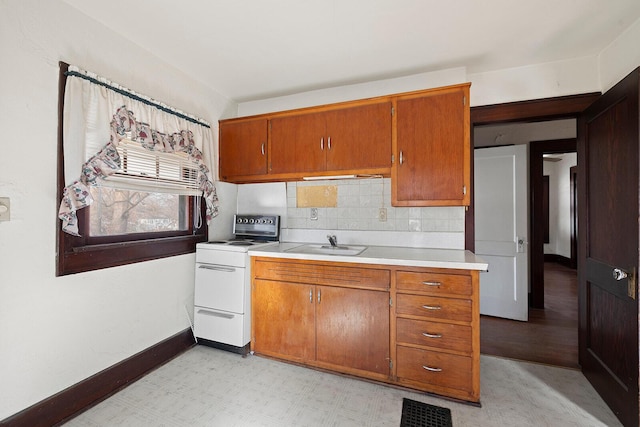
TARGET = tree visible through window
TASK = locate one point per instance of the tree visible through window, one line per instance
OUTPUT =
(118, 211)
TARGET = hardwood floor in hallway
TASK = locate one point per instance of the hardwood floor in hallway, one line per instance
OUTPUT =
(550, 336)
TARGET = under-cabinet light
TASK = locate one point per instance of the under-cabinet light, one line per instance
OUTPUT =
(320, 178)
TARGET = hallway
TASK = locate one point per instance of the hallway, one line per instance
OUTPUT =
(550, 336)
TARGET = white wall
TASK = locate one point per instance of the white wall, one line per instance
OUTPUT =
(620, 57)
(560, 204)
(536, 81)
(55, 332)
(356, 91)
(568, 77)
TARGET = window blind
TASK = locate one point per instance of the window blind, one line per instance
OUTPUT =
(153, 171)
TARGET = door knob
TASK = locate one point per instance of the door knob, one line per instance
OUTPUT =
(619, 274)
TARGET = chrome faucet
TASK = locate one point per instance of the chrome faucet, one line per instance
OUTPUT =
(333, 240)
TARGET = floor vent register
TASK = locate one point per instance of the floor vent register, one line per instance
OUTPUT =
(419, 414)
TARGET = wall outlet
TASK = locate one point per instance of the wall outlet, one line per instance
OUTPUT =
(382, 214)
(314, 214)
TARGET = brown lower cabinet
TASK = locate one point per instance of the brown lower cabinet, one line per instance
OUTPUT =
(408, 326)
(344, 328)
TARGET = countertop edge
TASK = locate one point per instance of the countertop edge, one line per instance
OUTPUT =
(473, 262)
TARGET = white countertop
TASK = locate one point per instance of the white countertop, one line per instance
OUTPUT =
(388, 255)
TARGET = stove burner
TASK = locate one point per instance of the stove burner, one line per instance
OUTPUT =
(240, 243)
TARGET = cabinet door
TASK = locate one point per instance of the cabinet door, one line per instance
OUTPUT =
(359, 137)
(298, 144)
(283, 320)
(432, 166)
(243, 148)
(352, 328)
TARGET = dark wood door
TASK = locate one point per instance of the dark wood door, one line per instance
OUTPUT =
(359, 137)
(243, 148)
(352, 328)
(608, 146)
(298, 143)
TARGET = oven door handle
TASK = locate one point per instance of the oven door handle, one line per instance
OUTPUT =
(216, 314)
(218, 268)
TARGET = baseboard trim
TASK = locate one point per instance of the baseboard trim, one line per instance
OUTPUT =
(560, 259)
(79, 397)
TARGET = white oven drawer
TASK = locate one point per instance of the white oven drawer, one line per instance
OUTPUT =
(223, 327)
(221, 287)
(221, 256)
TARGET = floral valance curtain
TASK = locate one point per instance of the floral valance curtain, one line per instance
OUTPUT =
(98, 114)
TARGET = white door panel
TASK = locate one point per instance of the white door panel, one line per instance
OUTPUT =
(501, 211)
(496, 248)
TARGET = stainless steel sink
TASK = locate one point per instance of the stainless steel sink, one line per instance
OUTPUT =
(328, 250)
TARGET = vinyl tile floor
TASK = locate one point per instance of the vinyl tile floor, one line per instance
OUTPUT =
(210, 387)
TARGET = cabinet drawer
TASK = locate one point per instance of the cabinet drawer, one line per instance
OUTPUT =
(434, 334)
(434, 307)
(220, 326)
(432, 367)
(322, 274)
(221, 287)
(434, 283)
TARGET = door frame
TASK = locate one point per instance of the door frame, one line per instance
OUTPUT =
(522, 111)
(536, 215)
(574, 216)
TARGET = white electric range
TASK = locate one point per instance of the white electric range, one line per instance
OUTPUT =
(222, 296)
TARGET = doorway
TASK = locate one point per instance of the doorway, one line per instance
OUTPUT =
(555, 109)
(551, 333)
(538, 151)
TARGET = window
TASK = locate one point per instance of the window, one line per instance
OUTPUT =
(117, 211)
(129, 201)
(150, 208)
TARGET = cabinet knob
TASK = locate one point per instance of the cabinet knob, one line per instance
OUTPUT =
(401, 157)
(262, 149)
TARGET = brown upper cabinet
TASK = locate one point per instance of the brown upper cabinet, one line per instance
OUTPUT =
(432, 148)
(345, 139)
(420, 139)
(243, 148)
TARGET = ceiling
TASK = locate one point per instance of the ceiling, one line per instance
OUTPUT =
(255, 49)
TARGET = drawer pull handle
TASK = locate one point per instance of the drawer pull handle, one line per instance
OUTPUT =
(216, 314)
(430, 369)
(218, 268)
(431, 283)
(432, 307)
(428, 335)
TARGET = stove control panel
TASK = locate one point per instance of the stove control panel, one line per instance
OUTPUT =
(259, 226)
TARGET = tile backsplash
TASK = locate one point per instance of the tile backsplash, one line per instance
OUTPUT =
(358, 208)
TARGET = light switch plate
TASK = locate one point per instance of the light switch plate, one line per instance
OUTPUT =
(5, 215)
